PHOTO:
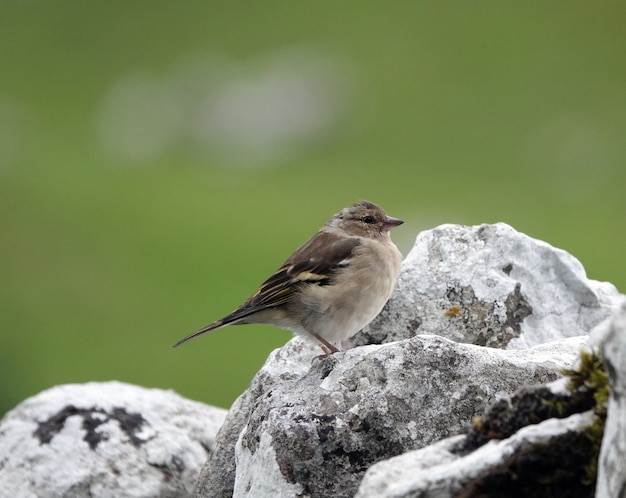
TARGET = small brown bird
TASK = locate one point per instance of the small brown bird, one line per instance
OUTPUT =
(333, 285)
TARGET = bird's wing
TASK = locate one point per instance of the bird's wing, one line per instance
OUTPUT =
(315, 263)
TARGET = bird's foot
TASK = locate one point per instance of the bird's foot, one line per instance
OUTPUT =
(326, 346)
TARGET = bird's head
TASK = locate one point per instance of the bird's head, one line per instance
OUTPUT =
(364, 219)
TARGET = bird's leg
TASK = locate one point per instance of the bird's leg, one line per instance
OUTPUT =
(327, 352)
(326, 346)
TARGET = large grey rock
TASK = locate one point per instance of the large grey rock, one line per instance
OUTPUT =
(542, 442)
(105, 440)
(314, 432)
(492, 286)
(283, 365)
(612, 462)
(438, 472)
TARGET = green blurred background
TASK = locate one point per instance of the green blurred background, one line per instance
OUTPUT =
(159, 159)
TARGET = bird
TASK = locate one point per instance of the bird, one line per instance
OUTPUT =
(333, 285)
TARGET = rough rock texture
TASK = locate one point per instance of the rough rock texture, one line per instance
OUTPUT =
(316, 433)
(286, 364)
(105, 440)
(491, 286)
(612, 463)
(543, 442)
(525, 464)
(312, 428)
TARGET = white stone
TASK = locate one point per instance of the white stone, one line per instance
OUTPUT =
(612, 461)
(105, 439)
(317, 431)
(247, 482)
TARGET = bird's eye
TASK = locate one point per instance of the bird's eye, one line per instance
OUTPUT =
(367, 219)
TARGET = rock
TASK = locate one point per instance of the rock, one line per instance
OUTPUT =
(492, 286)
(105, 440)
(312, 428)
(543, 442)
(541, 460)
(315, 431)
(283, 365)
(612, 462)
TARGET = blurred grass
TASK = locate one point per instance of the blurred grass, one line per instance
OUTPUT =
(462, 113)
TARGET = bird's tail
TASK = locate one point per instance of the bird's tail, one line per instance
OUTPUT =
(203, 330)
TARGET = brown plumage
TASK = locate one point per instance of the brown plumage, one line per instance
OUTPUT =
(332, 285)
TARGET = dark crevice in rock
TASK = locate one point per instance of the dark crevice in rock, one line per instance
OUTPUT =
(544, 470)
(528, 406)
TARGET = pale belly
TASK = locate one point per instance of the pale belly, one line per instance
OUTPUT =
(353, 304)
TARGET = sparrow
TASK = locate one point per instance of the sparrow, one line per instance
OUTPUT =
(330, 287)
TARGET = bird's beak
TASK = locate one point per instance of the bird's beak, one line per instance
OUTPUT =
(391, 222)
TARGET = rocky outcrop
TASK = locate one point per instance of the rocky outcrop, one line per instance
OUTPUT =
(317, 433)
(104, 440)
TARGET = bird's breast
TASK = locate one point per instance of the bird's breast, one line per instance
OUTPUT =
(358, 294)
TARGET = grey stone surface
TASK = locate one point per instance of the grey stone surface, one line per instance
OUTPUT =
(438, 472)
(492, 286)
(315, 432)
(105, 439)
(542, 442)
(286, 364)
(612, 462)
